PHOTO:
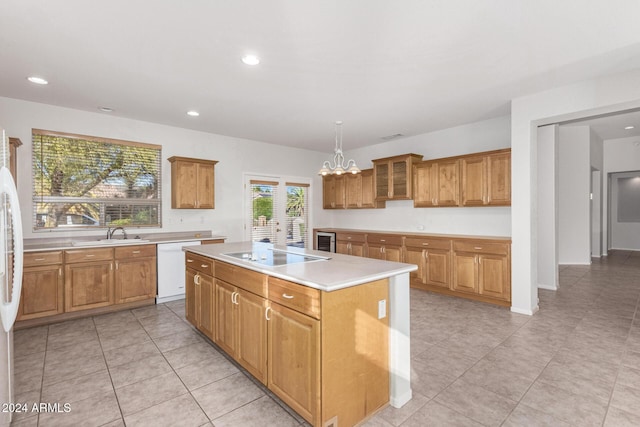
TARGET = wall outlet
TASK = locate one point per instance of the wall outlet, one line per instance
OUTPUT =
(382, 309)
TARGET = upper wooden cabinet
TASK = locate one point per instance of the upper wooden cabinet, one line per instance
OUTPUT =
(192, 183)
(393, 177)
(436, 183)
(486, 179)
(350, 191)
(333, 191)
(14, 143)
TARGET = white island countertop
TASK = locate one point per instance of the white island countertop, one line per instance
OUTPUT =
(336, 272)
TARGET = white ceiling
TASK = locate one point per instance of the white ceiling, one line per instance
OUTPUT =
(382, 66)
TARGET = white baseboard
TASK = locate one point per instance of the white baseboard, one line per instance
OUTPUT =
(547, 287)
(400, 401)
(160, 300)
(527, 312)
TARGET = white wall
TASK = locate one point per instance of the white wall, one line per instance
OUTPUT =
(401, 215)
(612, 93)
(574, 182)
(235, 157)
(547, 204)
(620, 155)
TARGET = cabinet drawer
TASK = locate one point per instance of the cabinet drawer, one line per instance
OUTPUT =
(248, 280)
(84, 255)
(384, 239)
(426, 243)
(199, 263)
(42, 258)
(141, 251)
(351, 237)
(481, 247)
(297, 297)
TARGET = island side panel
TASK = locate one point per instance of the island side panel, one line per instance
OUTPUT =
(399, 340)
(355, 355)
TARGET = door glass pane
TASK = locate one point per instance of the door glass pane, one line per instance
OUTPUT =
(297, 215)
(263, 214)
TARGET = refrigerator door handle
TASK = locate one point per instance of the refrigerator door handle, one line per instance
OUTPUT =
(9, 310)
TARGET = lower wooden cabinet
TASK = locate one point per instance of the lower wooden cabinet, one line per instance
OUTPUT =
(135, 275)
(42, 286)
(385, 247)
(241, 324)
(482, 268)
(199, 294)
(351, 243)
(88, 279)
(294, 360)
(433, 258)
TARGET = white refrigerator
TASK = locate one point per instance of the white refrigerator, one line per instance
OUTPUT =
(10, 277)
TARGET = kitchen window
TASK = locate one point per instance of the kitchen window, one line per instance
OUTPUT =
(84, 182)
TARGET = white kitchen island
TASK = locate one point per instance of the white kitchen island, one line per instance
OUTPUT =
(335, 273)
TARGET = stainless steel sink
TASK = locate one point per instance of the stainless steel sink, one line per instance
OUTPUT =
(108, 242)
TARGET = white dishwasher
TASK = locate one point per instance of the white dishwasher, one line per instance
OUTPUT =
(171, 270)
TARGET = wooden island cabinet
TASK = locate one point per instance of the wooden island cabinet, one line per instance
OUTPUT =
(301, 342)
(199, 289)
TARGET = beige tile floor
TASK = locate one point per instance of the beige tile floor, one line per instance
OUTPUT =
(576, 362)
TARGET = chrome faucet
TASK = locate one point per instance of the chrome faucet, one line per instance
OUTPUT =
(110, 232)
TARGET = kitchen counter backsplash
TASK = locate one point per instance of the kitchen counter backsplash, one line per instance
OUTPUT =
(57, 243)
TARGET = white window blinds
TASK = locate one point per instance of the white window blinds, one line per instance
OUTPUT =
(85, 181)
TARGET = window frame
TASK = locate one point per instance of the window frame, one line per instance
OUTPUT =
(104, 201)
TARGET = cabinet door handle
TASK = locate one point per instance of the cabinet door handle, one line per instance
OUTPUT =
(266, 313)
(135, 252)
(475, 259)
(196, 279)
(477, 247)
(60, 271)
(204, 265)
(234, 298)
(189, 260)
(111, 266)
(287, 296)
(425, 244)
(89, 255)
(39, 259)
(116, 265)
(426, 254)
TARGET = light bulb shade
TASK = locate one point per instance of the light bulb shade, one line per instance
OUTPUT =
(324, 171)
(353, 168)
(339, 170)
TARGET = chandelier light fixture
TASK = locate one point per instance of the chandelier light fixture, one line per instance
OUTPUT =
(338, 167)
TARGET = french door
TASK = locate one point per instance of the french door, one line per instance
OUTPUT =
(277, 210)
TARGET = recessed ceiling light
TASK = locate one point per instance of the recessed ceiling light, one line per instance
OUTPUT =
(193, 113)
(105, 109)
(37, 80)
(629, 127)
(251, 60)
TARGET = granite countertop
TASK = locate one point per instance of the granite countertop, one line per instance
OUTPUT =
(336, 272)
(55, 244)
